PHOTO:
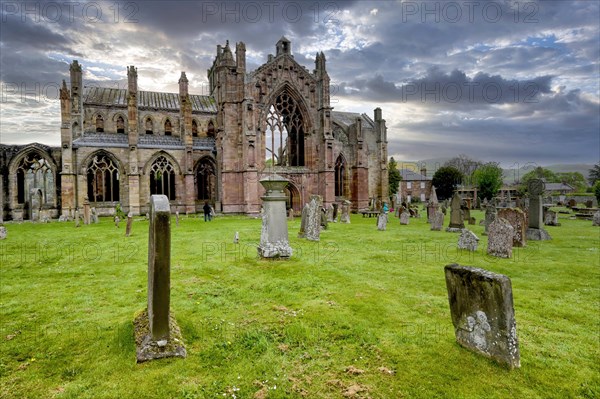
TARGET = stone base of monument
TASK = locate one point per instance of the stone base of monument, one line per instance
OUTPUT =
(537, 234)
(147, 349)
(275, 250)
(454, 229)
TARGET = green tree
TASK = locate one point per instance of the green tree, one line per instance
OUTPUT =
(445, 180)
(597, 190)
(393, 176)
(488, 179)
(574, 179)
(539, 173)
(594, 174)
(465, 165)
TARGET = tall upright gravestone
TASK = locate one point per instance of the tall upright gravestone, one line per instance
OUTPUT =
(456, 217)
(274, 242)
(535, 230)
(156, 332)
(483, 315)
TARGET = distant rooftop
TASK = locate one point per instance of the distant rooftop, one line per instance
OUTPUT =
(409, 175)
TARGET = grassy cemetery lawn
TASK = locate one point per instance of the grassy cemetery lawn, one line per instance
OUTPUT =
(362, 313)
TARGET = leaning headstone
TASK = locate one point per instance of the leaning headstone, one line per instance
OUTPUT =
(3, 232)
(382, 221)
(516, 218)
(345, 218)
(456, 215)
(86, 211)
(483, 315)
(535, 231)
(596, 219)
(500, 239)
(117, 220)
(468, 240)
(404, 218)
(551, 219)
(437, 221)
(303, 221)
(129, 224)
(274, 241)
(156, 331)
(313, 221)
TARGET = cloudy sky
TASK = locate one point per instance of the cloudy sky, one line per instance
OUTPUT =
(509, 81)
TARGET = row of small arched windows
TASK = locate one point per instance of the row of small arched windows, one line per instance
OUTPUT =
(149, 126)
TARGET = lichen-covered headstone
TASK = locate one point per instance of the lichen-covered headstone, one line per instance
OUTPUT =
(382, 220)
(404, 218)
(303, 221)
(3, 232)
(313, 220)
(490, 215)
(456, 215)
(596, 219)
(94, 216)
(551, 219)
(117, 220)
(437, 221)
(324, 219)
(468, 240)
(157, 335)
(517, 220)
(236, 238)
(535, 231)
(432, 204)
(335, 213)
(500, 238)
(483, 315)
(345, 217)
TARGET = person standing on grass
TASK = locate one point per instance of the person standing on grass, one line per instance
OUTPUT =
(207, 211)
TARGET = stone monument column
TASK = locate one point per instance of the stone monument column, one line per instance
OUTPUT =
(535, 231)
(274, 240)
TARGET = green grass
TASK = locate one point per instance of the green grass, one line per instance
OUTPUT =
(290, 329)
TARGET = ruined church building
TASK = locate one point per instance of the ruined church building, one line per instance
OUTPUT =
(120, 146)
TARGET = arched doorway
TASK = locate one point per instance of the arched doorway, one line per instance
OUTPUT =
(294, 199)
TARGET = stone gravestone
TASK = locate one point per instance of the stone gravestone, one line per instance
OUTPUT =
(551, 219)
(129, 224)
(345, 217)
(3, 232)
(382, 219)
(324, 219)
(36, 204)
(163, 337)
(437, 221)
(274, 242)
(535, 231)
(236, 237)
(516, 218)
(596, 219)
(330, 214)
(456, 217)
(94, 215)
(466, 212)
(290, 214)
(483, 315)
(432, 204)
(313, 220)
(177, 218)
(500, 240)
(468, 240)
(335, 212)
(86, 211)
(404, 218)
(76, 217)
(490, 215)
(303, 220)
(117, 220)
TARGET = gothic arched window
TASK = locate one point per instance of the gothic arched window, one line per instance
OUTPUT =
(194, 128)
(120, 125)
(206, 180)
(168, 128)
(162, 178)
(284, 134)
(149, 126)
(102, 179)
(210, 131)
(340, 176)
(34, 171)
(99, 123)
